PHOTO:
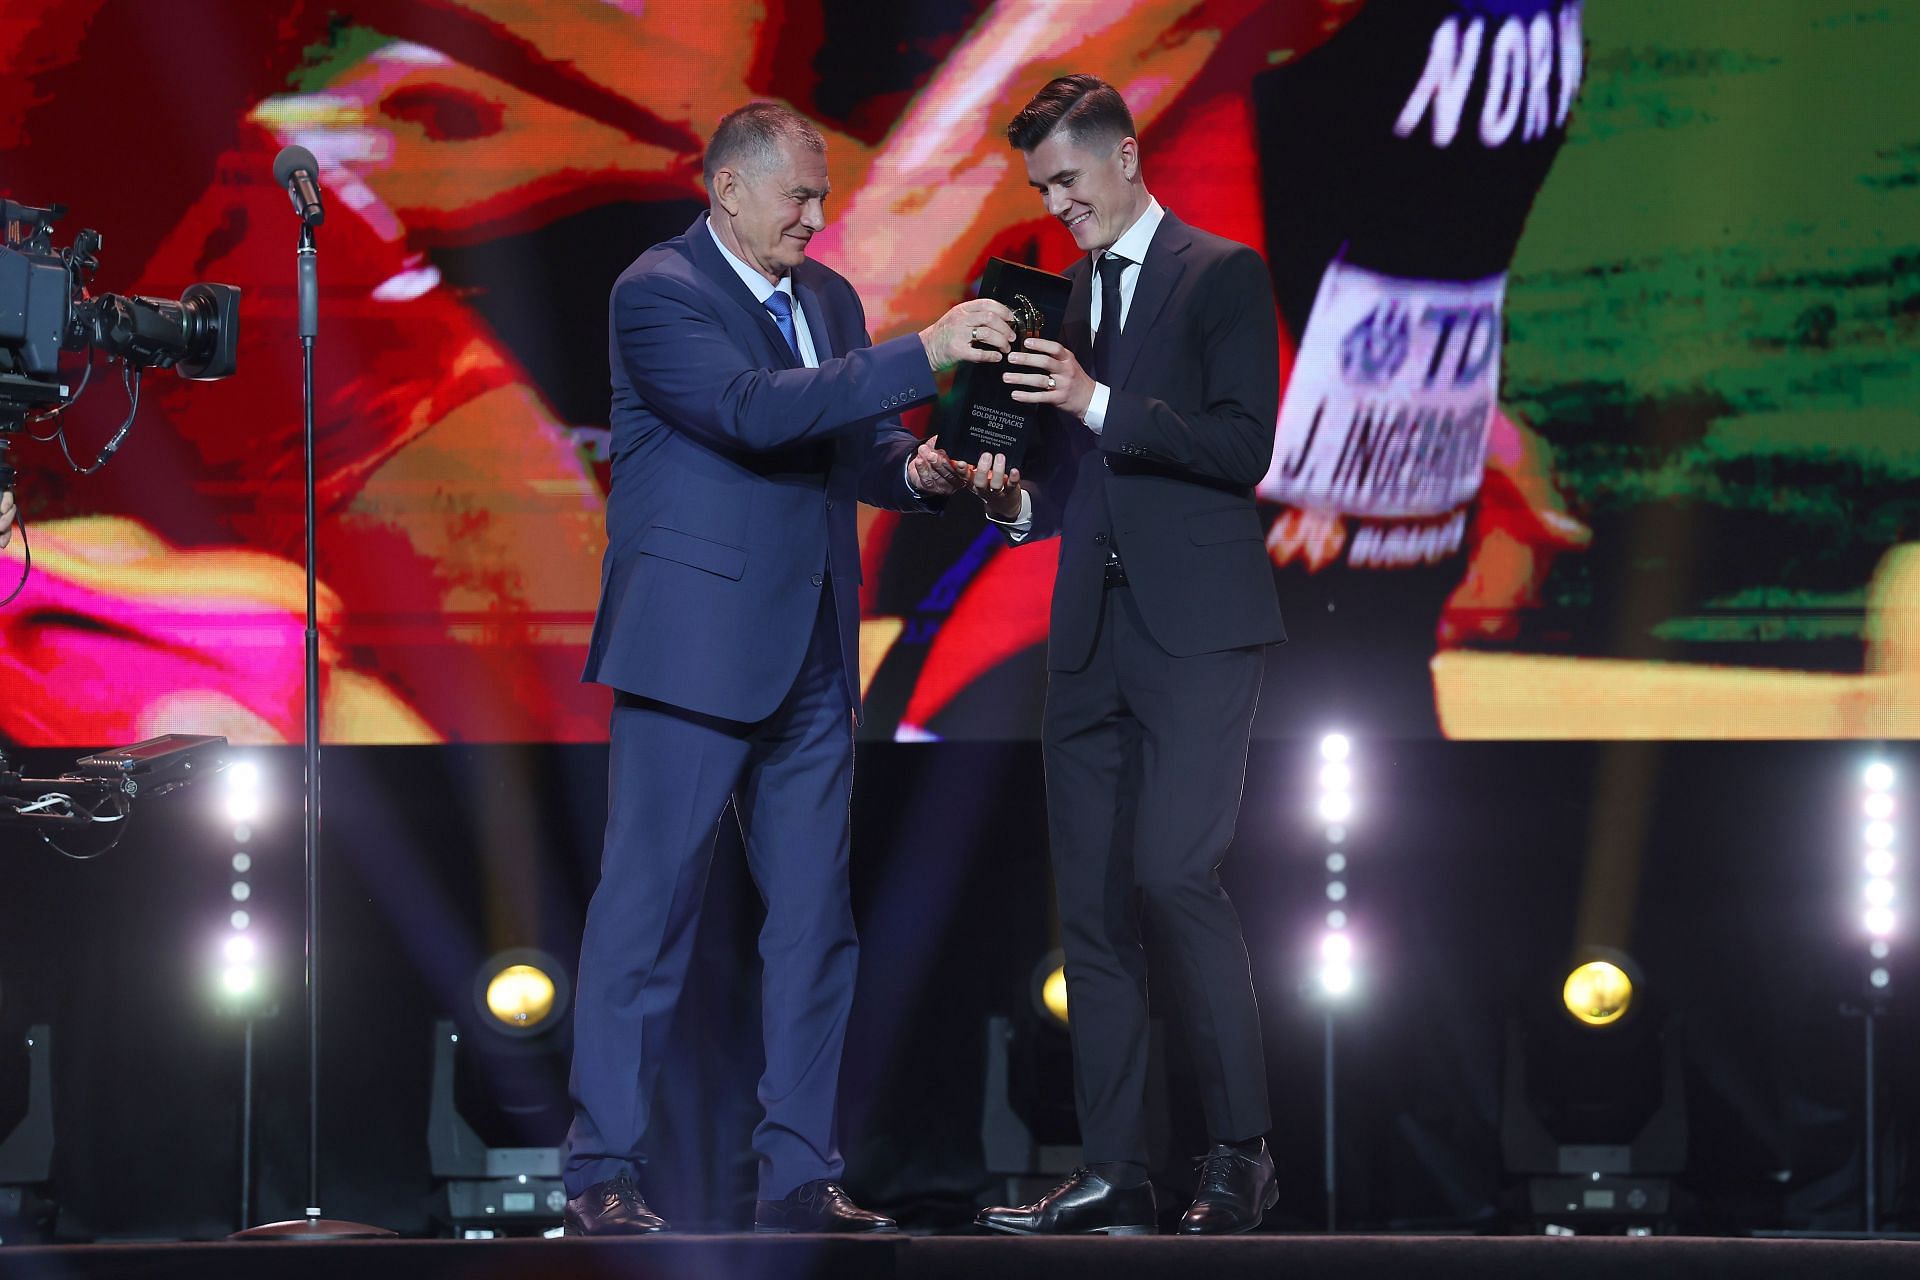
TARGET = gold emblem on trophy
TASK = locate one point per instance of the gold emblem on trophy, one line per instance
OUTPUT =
(1027, 318)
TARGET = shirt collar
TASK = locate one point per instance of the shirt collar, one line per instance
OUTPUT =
(1133, 245)
(762, 287)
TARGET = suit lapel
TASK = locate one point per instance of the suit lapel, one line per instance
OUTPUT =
(707, 256)
(824, 347)
(1158, 276)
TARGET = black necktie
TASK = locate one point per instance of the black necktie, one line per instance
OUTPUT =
(1104, 341)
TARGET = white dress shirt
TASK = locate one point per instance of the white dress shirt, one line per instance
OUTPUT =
(763, 289)
(1132, 245)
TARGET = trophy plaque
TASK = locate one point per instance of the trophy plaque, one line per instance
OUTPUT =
(981, 415)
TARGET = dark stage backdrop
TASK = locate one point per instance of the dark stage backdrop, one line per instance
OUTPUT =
(1476, 870)
(1598, 337)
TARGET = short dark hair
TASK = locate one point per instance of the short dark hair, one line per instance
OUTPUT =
(1087, 107)
(752, 134)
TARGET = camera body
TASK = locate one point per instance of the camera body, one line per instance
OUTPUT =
(45, 309)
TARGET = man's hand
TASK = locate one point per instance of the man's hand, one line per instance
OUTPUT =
(932, 472)
(6, 518)
(975, 332)
(996, 487)
(1055, 376)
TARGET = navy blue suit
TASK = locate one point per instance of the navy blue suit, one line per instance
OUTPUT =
(729, 626)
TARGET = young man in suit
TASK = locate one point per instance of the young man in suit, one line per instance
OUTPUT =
(1167, 387)
(750, 414)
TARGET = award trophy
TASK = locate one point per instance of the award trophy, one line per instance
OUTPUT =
(981, 415)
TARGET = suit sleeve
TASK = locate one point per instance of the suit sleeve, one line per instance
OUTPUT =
(1053, 464)
(681, 359)
(1231, 438)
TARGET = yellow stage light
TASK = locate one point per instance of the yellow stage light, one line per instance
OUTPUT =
(521, 996)
(1598, 993)
(1053, 994)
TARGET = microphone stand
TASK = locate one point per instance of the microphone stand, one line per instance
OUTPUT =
(313, 1226)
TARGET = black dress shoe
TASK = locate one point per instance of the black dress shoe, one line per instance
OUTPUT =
(1085, 1204)
(1236, 1190)
(819, 1205)
(611, 1208)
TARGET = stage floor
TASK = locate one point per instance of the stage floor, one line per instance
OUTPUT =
(974, 1258)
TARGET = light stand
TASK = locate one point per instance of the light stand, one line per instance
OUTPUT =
(1328, 1175)
(313, 1226)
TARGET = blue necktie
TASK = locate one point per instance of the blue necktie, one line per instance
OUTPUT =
(782, 307)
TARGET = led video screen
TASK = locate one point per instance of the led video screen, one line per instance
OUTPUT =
(1597, 343)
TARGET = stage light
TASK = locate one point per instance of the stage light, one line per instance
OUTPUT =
(1879, 949)
(1336, 777)
(1879, 862)
(1598, 993)
(242, 863)
(1878, 776)
(1336, 919)
(1335, 746)
(240, 919)
(1337, 890)
(1878, 805)
(1879, 978)
(1336, 835)
(520, 996)
(241, 891)
(1880, 892)
(1336, 948)
(1053, 994)
(1880, 834)
(1336, 806)
(1336, 862)
(497, 1102)
(243, 796)
(1594, 1108)
(239, 980)
(239, 949)
(1336, 980)
(1879, 922)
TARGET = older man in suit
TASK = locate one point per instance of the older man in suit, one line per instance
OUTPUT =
(750, 414)
(1166, 386)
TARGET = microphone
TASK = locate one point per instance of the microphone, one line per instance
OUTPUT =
(296, 170)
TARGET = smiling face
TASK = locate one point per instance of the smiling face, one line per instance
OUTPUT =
(1093, 189)
(767, 214)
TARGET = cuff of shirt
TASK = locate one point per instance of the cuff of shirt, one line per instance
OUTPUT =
(906, 473)
(1020, 526)
(1096, 417)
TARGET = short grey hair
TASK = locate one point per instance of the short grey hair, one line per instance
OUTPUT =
(750, 137)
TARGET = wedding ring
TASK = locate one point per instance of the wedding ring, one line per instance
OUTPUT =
(975, 336)
(1049, 382)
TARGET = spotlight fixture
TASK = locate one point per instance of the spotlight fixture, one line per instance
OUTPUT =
(238, 969)
(521, 992)
(1050, 987)
(1029, 1134)
(1880, 896)
(1597, 993)
(1594, 1112)
(498, 1103)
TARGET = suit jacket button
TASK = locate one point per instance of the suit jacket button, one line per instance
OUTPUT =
(818, 579)
(829, 504)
